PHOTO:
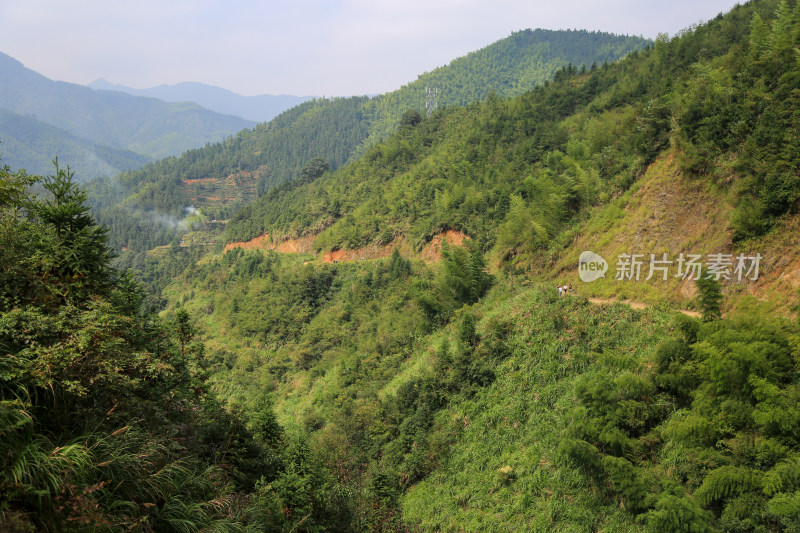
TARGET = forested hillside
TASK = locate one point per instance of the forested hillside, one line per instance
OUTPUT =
(338, 130)
(30, 144)
(509, 67)
(519, 174)
(464, 393)
(341, 373)
(106, 419)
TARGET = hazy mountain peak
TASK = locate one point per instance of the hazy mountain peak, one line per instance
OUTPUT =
(113, 120)
(260, 108)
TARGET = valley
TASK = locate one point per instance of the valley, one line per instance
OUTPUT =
(346, 318)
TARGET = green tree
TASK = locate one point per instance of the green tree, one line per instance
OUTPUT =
(79, 256)
(313, 170)
(410, 119)
(184, 328)
(464, 274)
(710, 296)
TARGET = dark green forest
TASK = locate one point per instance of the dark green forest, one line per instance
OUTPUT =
(105, 416)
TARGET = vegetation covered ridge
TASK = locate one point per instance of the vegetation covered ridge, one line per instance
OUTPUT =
(336, 130)
(442, 396)
(590, 158)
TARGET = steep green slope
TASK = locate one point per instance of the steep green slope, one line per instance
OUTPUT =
(524, 411)
(341, 129)
(30, 144)
(520, 174)
(443, 397)
(509, 67)
(360, 357)
(144, 125)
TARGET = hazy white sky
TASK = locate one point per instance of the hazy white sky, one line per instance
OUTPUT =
(300, 47)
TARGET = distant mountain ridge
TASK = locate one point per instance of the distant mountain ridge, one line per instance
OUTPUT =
(259, 108)
(31, 144)
(146, 126)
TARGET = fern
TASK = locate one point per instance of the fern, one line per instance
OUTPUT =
(726, 482)
(786, 508)
(784, 477)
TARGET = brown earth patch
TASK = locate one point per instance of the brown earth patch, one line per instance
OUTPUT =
(373, 251)
(263, 242)
(433, 250)
(430, 252)
(301, 245)
(199, 181)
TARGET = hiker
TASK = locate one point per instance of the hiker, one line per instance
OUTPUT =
(560, 289)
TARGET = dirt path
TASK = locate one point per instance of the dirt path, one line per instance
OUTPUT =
(639, 305)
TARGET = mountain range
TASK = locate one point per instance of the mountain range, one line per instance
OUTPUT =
(28, 143)
(147, 126)
(260, 108)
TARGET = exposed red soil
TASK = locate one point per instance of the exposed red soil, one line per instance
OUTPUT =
(263, 242)
(433, 250)
(430, 252)
(373, 251)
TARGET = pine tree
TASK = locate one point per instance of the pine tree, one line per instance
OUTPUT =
(710, 296)
(79, 256)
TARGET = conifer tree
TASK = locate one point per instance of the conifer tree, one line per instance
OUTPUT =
(710, 296)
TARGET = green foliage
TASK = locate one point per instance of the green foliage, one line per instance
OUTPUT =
(677, 511)
(710, 296)
(786, 508)
(726, 482)
(737, 112)
(464, 275)
(398, 266)
(313, 170)
(105, 423)
(336, 130)
(410, 118)
(711, 426)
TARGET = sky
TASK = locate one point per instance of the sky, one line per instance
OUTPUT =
(298, 47)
